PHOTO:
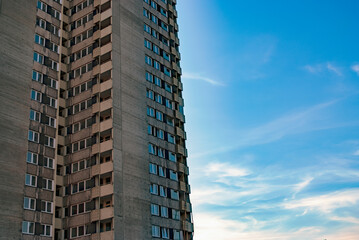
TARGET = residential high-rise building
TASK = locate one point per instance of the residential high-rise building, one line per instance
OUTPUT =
(92, 140)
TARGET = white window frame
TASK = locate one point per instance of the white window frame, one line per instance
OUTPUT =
(28, 227)
(29, 203)
(30, 180)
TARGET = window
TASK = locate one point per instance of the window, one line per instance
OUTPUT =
(170, 138)
(149, 77)
(29, 203)
(46, 230)
(163, 192)
(147, 28)
(168, 104)
(148, 60)
(31, 158)
(155, 210)
(156, 65)
(33, 136)
(159, 99)
(164, 26)
(150, 130)
(28, 227)
(165, 233)
(39, 40)
(150, 94)
(173, 175)
(168, 87)
(35, 116)
(52, 122)
(156, 231)
(174, 194)
(49, 162)
(159, 116)
(36, 76)
(158, 81)
(154, 33)
(161, 153)
(156, 49)
(164, 212)
(177, 235)
(163, 12)
(154, 5)
(160, 134)
(176, 214)
(153, 168)
(50, 142)
(35, 95)
(30, 180)
(146, 13)
(151, 149)
(166, 56)
(47, 184)
(166, 71)
(150, 112)
(154, 189)
(148, 44)
(154, 18)
(161, 171)
(46, 206)
(38, 58)
(172, 156)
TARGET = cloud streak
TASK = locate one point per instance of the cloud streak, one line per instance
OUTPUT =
(194, 76)
(355, 68)
(301, 121)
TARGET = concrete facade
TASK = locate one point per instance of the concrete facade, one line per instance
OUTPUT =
(97, 141)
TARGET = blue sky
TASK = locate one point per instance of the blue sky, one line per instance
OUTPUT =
(271, 93)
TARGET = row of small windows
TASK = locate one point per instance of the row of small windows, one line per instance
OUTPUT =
(157, 35)
(157, 65)
(47, 26)
(35, 137)
(159, 82)
(165, 212)
(164, 192)
(154, 5)
(40, 117)
(163, 172)
(34, 181)
(78, 126)
(44, 161)
(81, 37)
(156, 49)
(46, 61)
(81, 70)
(33, 204)
(43, 230)
(46, 43)
(162, 153)
(155, 19)
(41, 97)
(80, 54)
(81, 186)
(81, 106)
(151, 112)
(42, 78)
(165, 233)
(159, 133)
(48, 9)
(79, 89)
(81, 21)
(159, 98)
(80, 145)
(81, 6)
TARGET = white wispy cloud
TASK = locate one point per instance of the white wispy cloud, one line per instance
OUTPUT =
(334, 69)
(324, 67)
(326, 203)
(356, 153)
(292, 123)
(195, 76)
(355, 68)
(226, 170)
(300, 186)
